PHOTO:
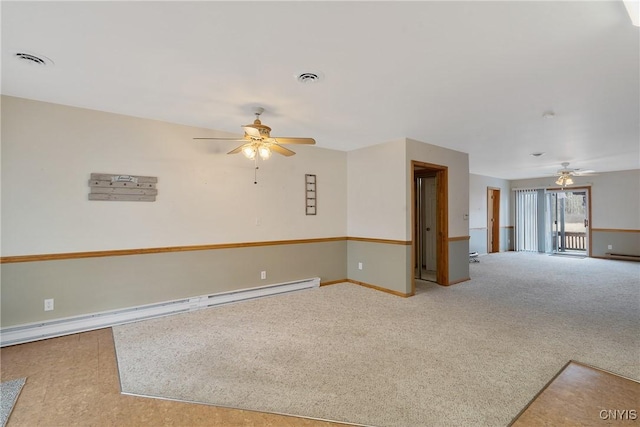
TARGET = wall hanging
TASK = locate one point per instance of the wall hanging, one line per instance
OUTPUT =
(311, 201)
(123, 188)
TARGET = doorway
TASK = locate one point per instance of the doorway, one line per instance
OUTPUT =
(430, 260)
(426, 227)
(567, 225)
(493, 219)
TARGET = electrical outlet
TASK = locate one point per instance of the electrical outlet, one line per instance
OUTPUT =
(610, 247)
(263, 275)
(48, 304)
(359, 266)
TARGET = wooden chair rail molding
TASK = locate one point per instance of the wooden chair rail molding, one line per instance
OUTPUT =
(143, 251)
(615, 230)
(386, 241)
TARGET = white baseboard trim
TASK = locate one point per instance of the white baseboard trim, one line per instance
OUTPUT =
(71, 325)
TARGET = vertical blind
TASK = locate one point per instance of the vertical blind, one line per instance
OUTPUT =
(526, 220)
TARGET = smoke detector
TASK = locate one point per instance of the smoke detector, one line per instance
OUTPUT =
(309, 77)
(32, 58)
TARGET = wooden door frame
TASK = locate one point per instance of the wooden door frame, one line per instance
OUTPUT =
(442, 220)
(493, 229)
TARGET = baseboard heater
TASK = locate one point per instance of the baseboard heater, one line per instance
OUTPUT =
(624, 257)
(71, 325)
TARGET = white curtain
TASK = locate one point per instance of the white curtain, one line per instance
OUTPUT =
(526, 220)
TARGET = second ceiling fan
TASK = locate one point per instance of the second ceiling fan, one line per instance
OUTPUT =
(565, 174)
(259, 142)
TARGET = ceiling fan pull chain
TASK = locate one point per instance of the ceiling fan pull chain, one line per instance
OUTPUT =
(255, 171)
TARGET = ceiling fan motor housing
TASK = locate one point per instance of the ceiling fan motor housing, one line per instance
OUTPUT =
(265, 131)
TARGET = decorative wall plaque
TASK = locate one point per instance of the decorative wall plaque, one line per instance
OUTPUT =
(124, 188)
(312, 194)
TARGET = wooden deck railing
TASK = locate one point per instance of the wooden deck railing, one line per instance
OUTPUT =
(574, 241)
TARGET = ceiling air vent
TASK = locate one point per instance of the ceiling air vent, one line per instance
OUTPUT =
(33, 59)
(308, 77)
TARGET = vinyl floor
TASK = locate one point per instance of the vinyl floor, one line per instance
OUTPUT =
(581, 395)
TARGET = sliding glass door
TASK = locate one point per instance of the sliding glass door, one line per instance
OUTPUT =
(567, 222)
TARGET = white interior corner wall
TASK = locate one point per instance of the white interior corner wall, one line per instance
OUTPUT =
(377, 250)
(204, 195)
(478, 185)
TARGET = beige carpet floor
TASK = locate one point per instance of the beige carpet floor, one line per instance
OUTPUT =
(471, 354)
(9, 392)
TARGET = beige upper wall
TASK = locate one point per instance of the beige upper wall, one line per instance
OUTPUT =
(377, 194)
(478, 185)
(205, 196)
(457, 163)
(615, 197)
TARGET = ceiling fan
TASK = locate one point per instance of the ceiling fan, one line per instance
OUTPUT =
(259, 142)
(566, 173)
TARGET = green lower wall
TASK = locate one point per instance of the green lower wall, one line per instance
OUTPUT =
(478, 240)
(386, 265)
(458, 260)
(90, 285)
(623, 242)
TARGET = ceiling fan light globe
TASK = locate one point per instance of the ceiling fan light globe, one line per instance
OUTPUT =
(568, 181)
(264, 152)
(559, 181)
(249, 152)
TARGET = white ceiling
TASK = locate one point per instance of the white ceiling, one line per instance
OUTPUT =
(471, 76)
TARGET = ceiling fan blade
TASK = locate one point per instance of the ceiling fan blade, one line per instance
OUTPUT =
(237, 149)
(225, 139)
(281, 150)
(281, 140)
(251, 131)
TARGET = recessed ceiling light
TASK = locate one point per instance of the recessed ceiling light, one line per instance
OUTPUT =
(32, 58)
(309, 77)
(537, 154)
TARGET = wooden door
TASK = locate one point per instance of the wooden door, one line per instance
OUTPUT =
(493, 220)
